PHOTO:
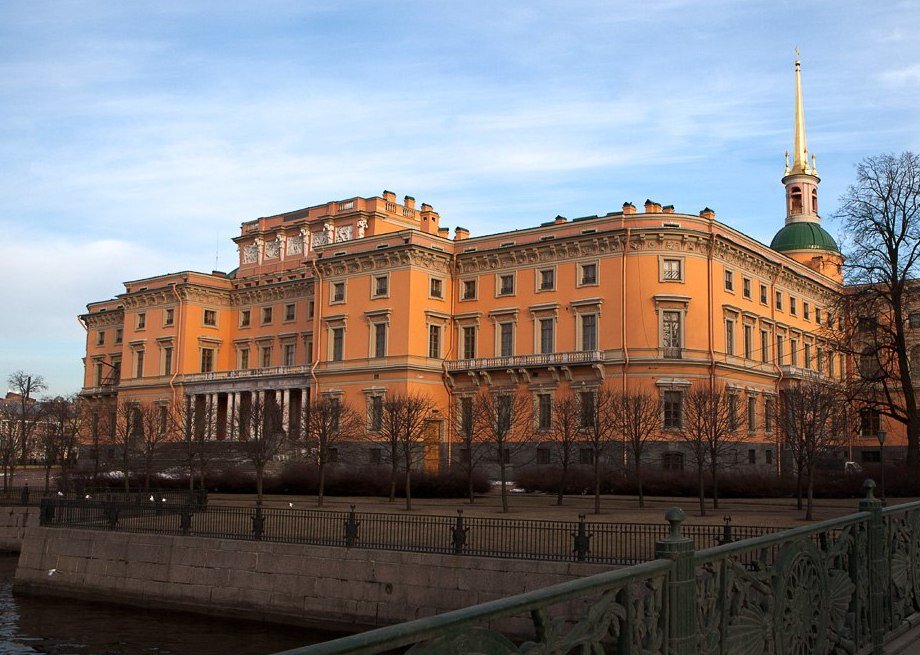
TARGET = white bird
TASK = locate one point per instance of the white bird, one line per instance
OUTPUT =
(52, 571)
(87, 496)
(290, 504)
(151, 498)
(60, 493)
(163, 499)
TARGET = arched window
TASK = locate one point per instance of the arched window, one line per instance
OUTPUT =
(814, 201)
(795, 196)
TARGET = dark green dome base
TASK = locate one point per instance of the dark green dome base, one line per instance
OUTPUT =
(803, 236)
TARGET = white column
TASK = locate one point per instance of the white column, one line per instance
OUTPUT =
(228, 418)
(285, 409)
(233, 411)
(212, 416)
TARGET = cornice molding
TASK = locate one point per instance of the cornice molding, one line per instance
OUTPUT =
(384, 259)
(287, 290)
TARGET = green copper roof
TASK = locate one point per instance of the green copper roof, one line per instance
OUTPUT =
(803, 236)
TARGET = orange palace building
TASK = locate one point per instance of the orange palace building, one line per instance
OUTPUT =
(366, 297)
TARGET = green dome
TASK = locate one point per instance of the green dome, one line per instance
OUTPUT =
(803, 236)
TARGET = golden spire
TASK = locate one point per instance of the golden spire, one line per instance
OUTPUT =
(800, 147)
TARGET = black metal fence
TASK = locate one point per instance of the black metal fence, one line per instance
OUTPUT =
(582, 540)
(25, 495)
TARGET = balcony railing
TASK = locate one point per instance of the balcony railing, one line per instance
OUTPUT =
(801, 373)
(248, 373)
(519, 361)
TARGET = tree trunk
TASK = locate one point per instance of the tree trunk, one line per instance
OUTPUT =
(469, 483)
(565, 470)
(597, 484)
(259, 472)
(715, 485)
(809, 514)
(798, 489)
(47, 478)
(321, 492)
(393, 471)
(639, 484)
(699, 472)
(408, 487)
(504, 488)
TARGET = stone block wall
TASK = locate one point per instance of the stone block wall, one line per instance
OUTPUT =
(335, 588)
(13, 524)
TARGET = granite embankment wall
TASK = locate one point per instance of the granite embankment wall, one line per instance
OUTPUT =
(336, 588)
(13, 524)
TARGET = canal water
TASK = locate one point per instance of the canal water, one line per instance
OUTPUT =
(51, 626)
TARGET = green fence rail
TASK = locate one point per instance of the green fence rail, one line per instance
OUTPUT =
(840, 586)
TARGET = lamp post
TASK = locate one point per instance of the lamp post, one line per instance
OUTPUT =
(881, 460)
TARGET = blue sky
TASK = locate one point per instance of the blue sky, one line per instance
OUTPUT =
(137, 136)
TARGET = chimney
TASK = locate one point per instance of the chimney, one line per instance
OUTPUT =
(409, 202)
(429, 219)
(708, 214)
(461, 233)
(629, 208)
(667, 209)
(389, 196)
(426, 207)
(444, 232)
(652, 207)
(559, 219)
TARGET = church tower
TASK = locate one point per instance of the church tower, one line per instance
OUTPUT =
(803, 238)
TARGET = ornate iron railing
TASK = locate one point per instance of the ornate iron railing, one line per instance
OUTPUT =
(519, 361)
(846, 585)
(247, 373)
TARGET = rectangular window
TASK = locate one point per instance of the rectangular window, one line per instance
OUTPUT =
(290, 311)
(338, 292)
(764, 346)
(820, 355)
(752, 413)
(729, 337)
(141, 321)
(469, 342)
(245, 317)
(818, 315)
(588, 274)
(547, 335)
(210, 317)
(207, 360)
(780, 355)
(729, 281)
(806, 311)
(763, 294)
(118, 335)
(752, 456)
(469, 290)
(436, 287)
(287, 354)
(376, 416)
(732, 412)
(381, 286)
(139, 364)
(768, 409)
(169, 316)
(310, 308)
(830, 364)
(794, 351)
(543, 456)
(544, 411)
(779, 300)
(870, 422)
(749, 342)
(671, 337)
(672, 403)
(589, 332)
(100, 338)
(587, 410)
(338, 343)
(244, 358)
(506, 284)
(466, 417)
(266, 315)
(100, 375)
(506, 339)
(672, 271)
(768, 456)
(807, 355)
(266, 356)
(167, 360)
(434, 341)
(380, 339)
(162, 414)
(793, 305)
(585, 456)
(548, 279)
(746, 287)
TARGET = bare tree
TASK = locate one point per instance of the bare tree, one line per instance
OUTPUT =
(564, 437)
(326, 422)
(156, 431)
(59, 440)
(26, 386)
(9, 441)
(881, 218)
(637, 418)
(403, 425)
(810, 420)
(709, 422)
(196, 426)
(598, 426)
(124, 435)
(504, 420)
(262, 424)
(472, 447)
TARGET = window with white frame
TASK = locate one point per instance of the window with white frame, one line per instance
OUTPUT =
(266, 354)
(338, 343)
(672, 402)
(436, 287)
(671, 337)
(207, 360)
(139, 363)
(287, 353)
(547, 328)
(245, 317)
(337, 294)
(751, 413)
(729, 280)
(434, 341)
(506, 339)
(468, 290)
(729, 336)
(210, 317)
(468, 338)
(381, 287)
(748, 341)
(380, 340)
(547, 279)
(672, 270)
(587, 274)
(506, 284)
(290, 312)
(544, 411)
(588, 331)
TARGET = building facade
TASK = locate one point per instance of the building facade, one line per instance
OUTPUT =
(365, 297)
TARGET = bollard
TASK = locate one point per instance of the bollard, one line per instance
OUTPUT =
(111, 514)
(185, 521)
(46, 512)
(458, 534)
(258, 523)
(24, 496)
(351, 528)
(727, 530)
(582, 540)
(680, 587)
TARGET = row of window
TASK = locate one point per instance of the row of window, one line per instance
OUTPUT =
(506, 283)
(746, 292)
(586, 338)
(813, 356)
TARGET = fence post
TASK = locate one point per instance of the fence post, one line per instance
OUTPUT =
(46, 511)
(680, 587)
(458, 534)
(878, 569)
(25, 495)
(582, 540)
(351, 528)
(185, 520)
(258, 523)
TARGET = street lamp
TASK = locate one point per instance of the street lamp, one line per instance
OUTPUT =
(881, 460)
